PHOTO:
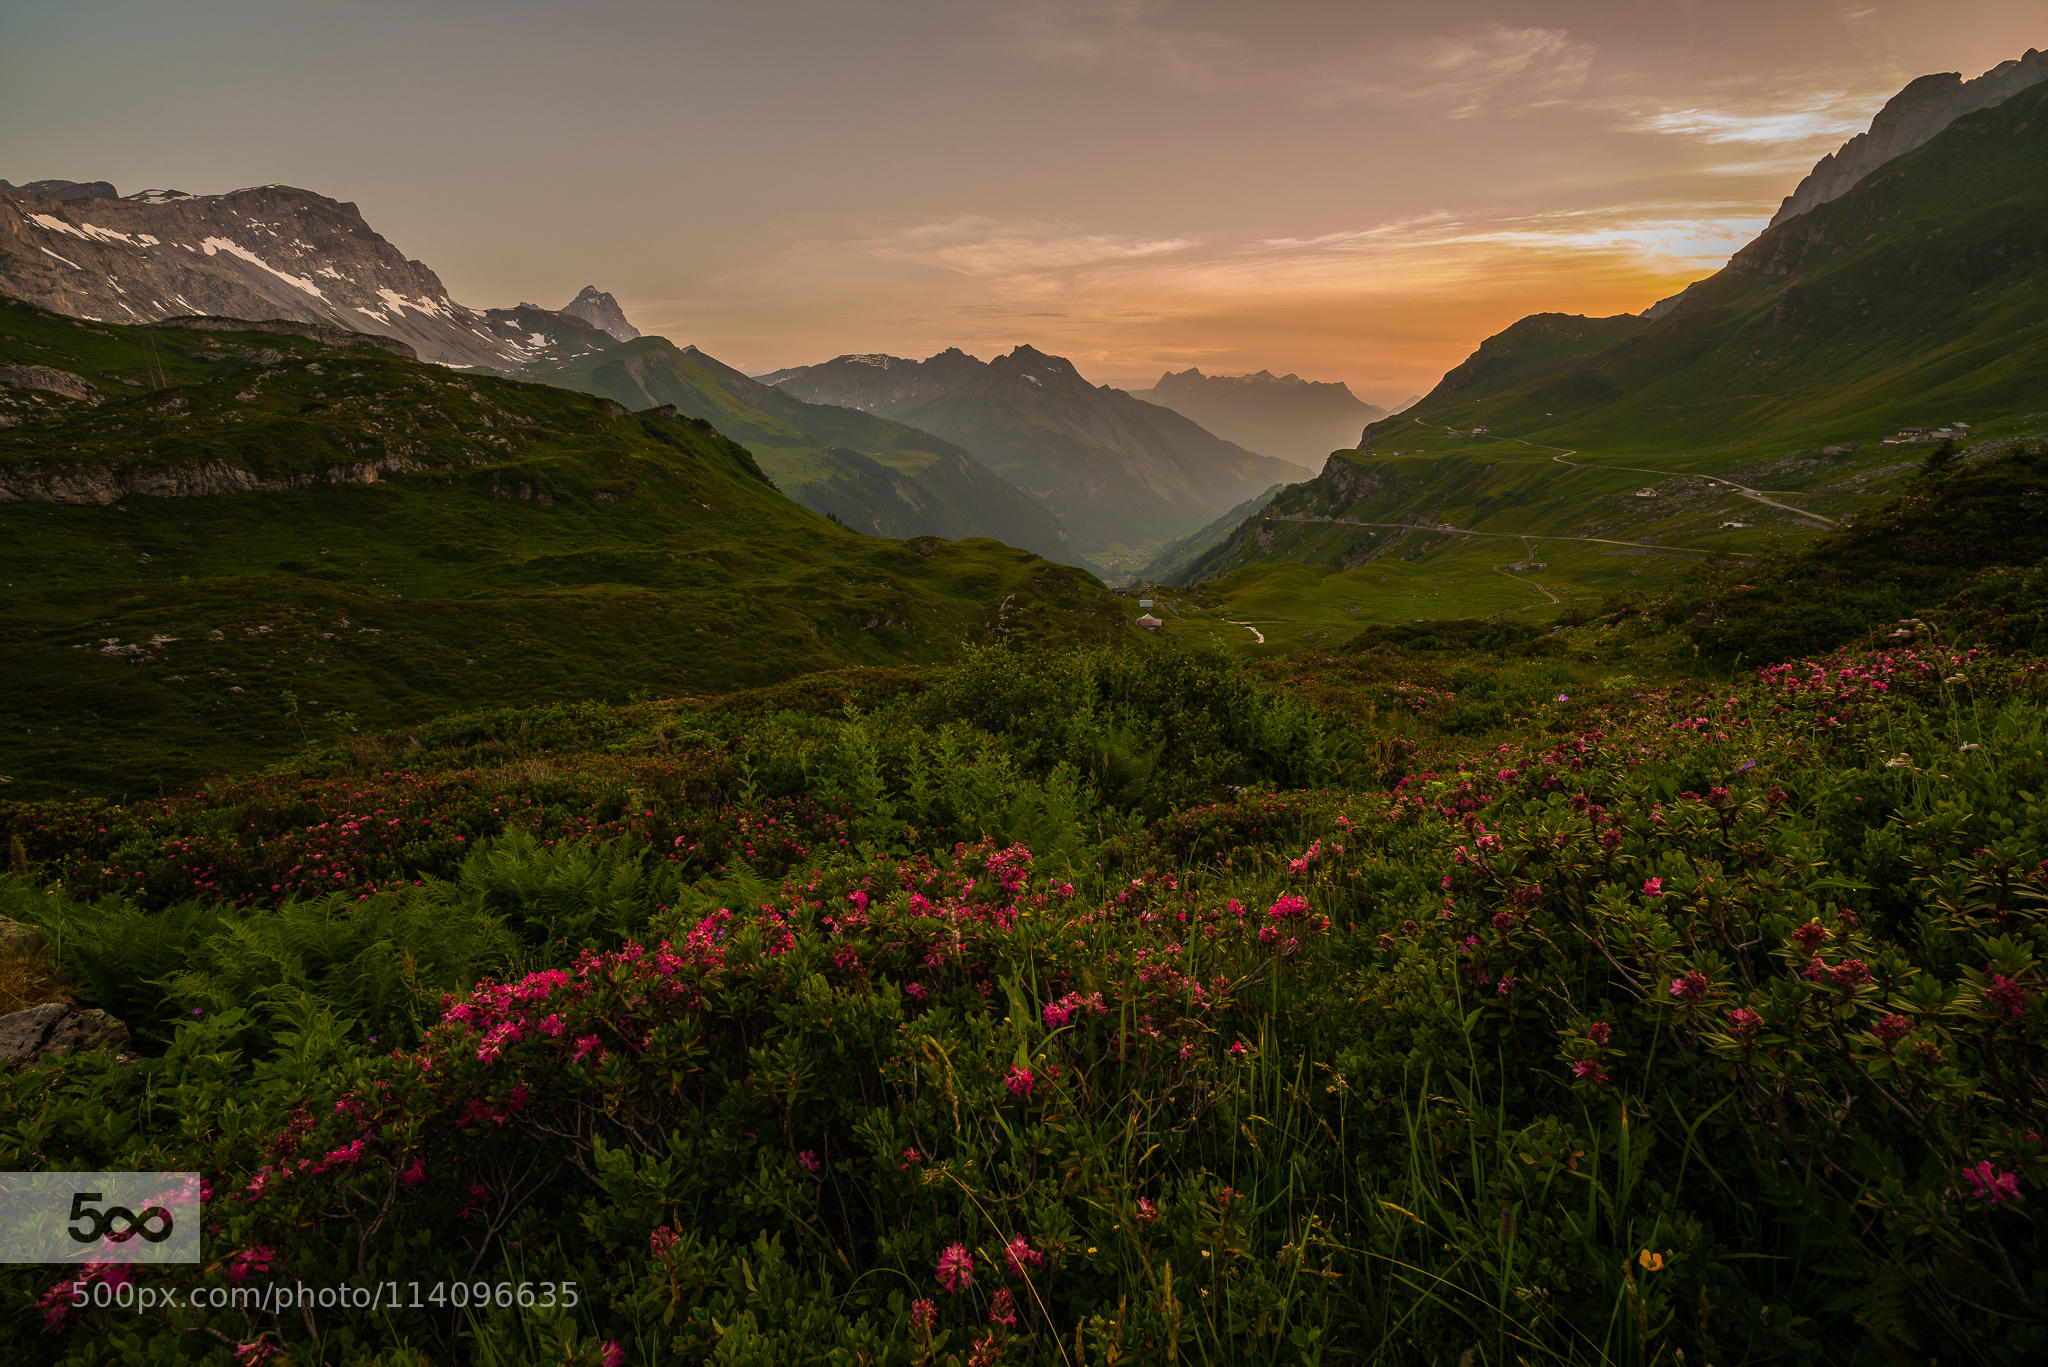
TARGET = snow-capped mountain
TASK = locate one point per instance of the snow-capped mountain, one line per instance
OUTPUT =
(268, 252)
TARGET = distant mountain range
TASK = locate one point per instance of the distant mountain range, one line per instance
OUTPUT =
(277, 252)
(1115, 470)
(874, 475)
(1282, 416)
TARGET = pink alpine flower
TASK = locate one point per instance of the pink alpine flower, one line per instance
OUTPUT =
(808, 1161)
(1147, 1211)
(1003, 1309)
(1019, 1254)
(923, 1315)
(1992, 1184)
(2008, 995)
(613, 1355)
(250, 1260)
(1691, 987)
(956, 1268)
(661, 1240)
(1653, 887)
(1019, 1081)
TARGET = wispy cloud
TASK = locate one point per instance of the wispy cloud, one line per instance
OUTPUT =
(1464, 75)
(1830, 114)
(1130, 36)
(984, 247)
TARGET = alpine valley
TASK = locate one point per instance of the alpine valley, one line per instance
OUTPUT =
(528, 845)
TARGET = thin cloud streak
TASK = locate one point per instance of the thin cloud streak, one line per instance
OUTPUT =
(1129, 36)
(1464, 75)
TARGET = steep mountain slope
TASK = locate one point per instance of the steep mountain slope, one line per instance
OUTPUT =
(1115, 470)
(1920, 296)
(269, 252)
(1909, 119)
(872, 474)
(1572, 457)
(212, 539)
(1282, 416)
(1178, 557)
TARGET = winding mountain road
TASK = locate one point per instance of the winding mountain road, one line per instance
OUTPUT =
(1759, 495)
(1510, 536)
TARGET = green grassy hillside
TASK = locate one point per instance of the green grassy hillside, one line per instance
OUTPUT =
(1919, 298)
(297, 540)
(1597, 450)
(871, 473)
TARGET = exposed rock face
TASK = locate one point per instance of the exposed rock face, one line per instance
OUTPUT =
(269, 252)
(1908, 119)
(50, 380)
(100, 485)
(601, 311)
(278, 327)
(56, 1028)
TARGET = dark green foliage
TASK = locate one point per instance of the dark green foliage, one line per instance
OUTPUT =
(1955, 525)
(1661, 1020)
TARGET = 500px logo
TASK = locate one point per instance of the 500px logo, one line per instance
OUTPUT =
(100, 1223)
(117, 1217)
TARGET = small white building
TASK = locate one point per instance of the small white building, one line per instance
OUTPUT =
(1646, 493)
(1145, 602)
(1150, 623)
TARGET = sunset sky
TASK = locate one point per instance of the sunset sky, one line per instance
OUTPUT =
(1357, 191)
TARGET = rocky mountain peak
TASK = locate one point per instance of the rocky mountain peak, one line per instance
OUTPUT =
(601, 311)
(1927, 105)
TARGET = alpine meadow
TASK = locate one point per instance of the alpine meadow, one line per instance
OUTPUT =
(1314, 687)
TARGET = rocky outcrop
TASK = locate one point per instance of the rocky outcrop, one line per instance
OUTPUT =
(50, 380)
(99, 485)
(1347, 481)
(1908, 119)
(601, 311)
(40, 1032)
(282, 327)
(67, 189)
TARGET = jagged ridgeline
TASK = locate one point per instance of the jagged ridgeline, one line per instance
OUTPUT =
(218, 540)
